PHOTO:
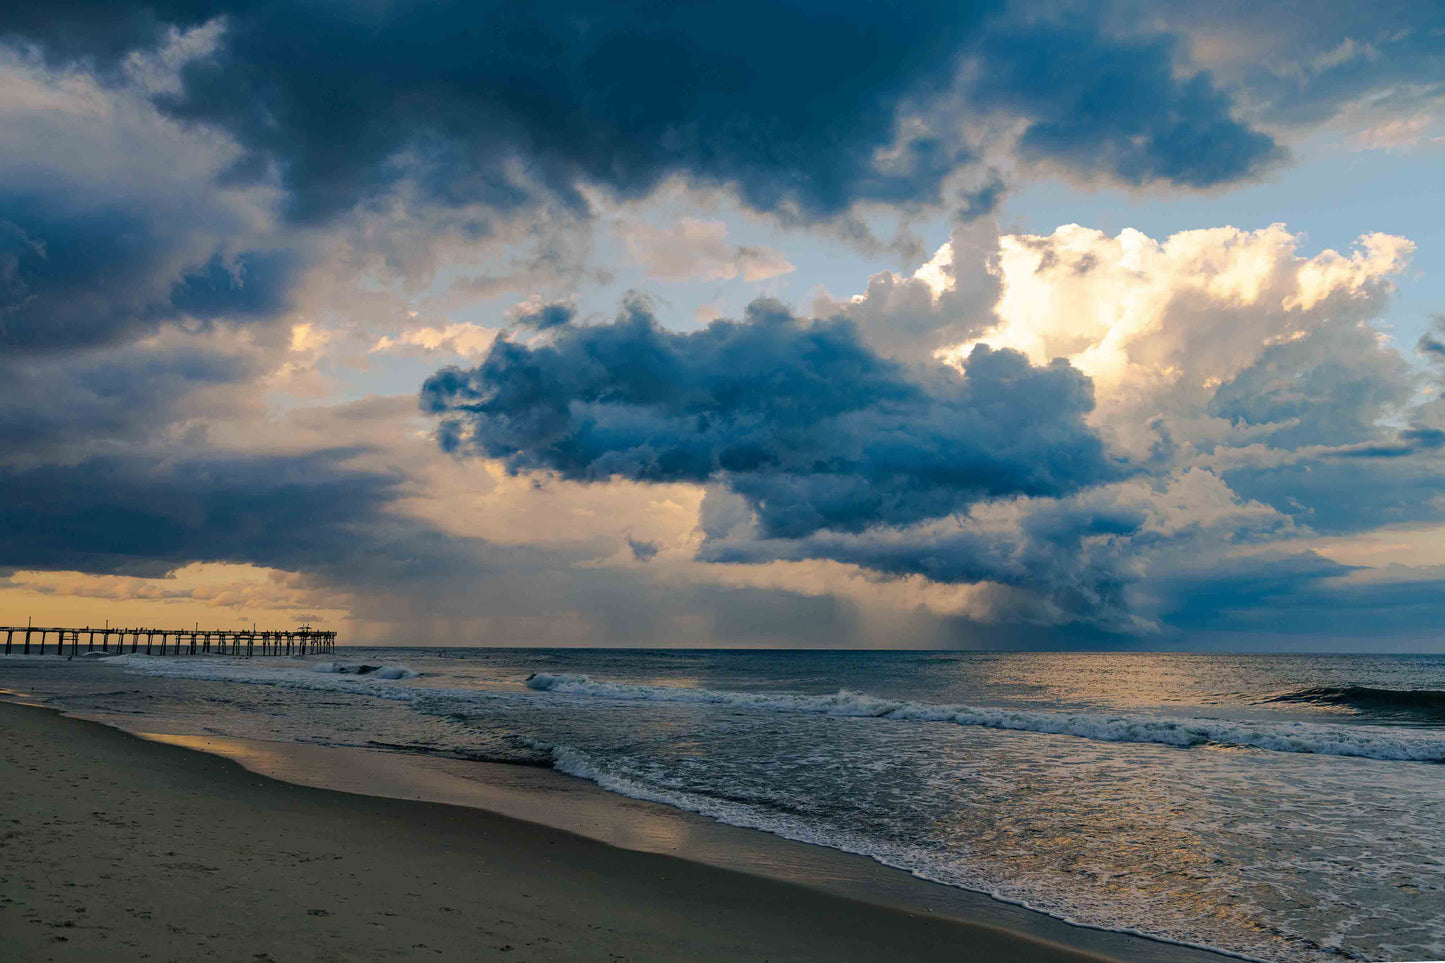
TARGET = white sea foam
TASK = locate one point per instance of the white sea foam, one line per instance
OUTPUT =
(916, 861)
(324, 676)
(1371, 742)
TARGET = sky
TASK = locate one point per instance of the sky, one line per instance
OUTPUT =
(1009, 325)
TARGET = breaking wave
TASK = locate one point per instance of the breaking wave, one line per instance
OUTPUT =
(322, 676)
(1429, 703)
(1332, 739)
(375, 671)
(1277, 736)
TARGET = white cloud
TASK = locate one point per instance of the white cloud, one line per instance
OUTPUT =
(1159, 325)
(466, 340)
(1393, 134)
(693, 249)
(1215, 354)
(937, 271)
(307, 337)
(945, 301)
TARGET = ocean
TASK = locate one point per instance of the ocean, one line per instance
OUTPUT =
(1276, 807)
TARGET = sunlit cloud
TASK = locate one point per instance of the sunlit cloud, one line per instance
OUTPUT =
(466, 340)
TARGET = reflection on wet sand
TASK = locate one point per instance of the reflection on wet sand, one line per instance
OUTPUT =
(562, 802)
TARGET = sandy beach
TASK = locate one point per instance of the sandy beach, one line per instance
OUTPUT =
(118, 848)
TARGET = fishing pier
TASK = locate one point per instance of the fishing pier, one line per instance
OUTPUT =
(32, 640)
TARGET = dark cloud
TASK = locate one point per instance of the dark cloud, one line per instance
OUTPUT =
(1338, 495)
(980, 202)
(643, 551)
(1332, 402)
(1332, 387)
(1242, 593)
(1410, 441)
(315, 513)
(1432, 343)
(405, 581)
(250, 285)
(98, 30)
(1304, 63)
(810, 426)
(1071, 559)
(138, 516)
(827, 447)
(1116, 106)
(1298, 600)
(548, 316)
(787, 102)
(74, 275)
(112, 398)
(795, 105)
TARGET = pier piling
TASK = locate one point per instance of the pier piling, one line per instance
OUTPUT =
(302, 641)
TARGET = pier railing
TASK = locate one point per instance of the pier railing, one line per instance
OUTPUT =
(31, 639)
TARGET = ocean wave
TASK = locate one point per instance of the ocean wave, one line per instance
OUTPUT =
(388, 672)
(322, 676)
(1369, 699)
(1362, 741)
(1305, 737)
(917, 861)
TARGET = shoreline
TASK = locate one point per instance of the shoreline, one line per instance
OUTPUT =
(551, 801)
(122, 848)
(574, 804)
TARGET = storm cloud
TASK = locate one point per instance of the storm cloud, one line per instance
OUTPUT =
(801, 108)
(803, 420)
(135, 515)
(1059, 562)
(1304, 64)
(1432, 342)
(70, 279)
(111, 221)
(115, 398)
(1117, 106)
(211, 209)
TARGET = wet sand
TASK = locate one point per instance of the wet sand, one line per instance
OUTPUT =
(117, 848)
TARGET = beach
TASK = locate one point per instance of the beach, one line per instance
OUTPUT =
(118, 848)
(1131, 815)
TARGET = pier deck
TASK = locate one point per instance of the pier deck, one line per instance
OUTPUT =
(32, 640)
